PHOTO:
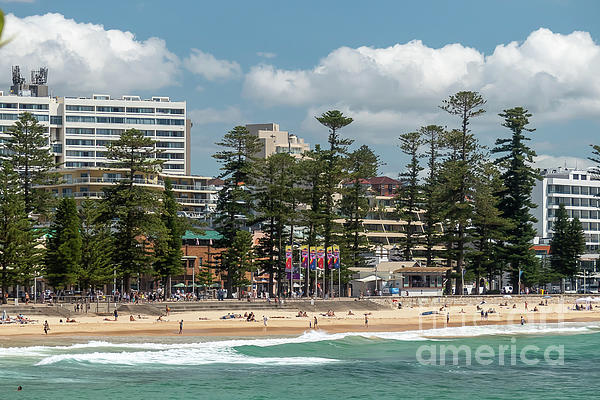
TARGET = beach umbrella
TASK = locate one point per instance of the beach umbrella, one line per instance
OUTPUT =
(584, 300)
(179, 285)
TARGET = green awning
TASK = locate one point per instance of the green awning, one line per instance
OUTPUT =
(207, 235)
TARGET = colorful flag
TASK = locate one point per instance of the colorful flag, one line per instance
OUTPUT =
(336, 256)
(288, 258)
(304, 256)
(330, 257)
(321, 257)
(313, 258)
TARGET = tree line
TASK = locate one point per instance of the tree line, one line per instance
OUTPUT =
(131, 231)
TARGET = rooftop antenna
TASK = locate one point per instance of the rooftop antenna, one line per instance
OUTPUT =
(17, 78)
(39, 77)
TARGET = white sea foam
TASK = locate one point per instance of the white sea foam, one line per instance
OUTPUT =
(226, 351)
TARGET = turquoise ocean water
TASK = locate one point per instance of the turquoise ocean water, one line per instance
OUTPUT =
(314, 365)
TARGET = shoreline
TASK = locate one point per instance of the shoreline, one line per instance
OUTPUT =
(280, 323)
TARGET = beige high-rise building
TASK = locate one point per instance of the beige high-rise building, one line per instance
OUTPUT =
(275, 141)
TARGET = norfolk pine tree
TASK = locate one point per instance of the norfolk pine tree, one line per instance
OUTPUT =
(361, 164)
(96, 249)
(63, 249)
(432, 136)
(134, 209)
(167, 249)
(409, 197)
(488, 228)
(28, 149)
(274, 194)
(460, 172)
(519, 176)
(566, 245)
(234, 206)
(17, 243)
(333, 173)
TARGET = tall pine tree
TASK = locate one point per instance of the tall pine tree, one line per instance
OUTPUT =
(519, 176)
(63, 250)
(333, 174)
(409, 197)
(28, 150)
(234, 206)
(362, 165)
(134, 209)
(17, 240)
(460, 173)
(96, 247)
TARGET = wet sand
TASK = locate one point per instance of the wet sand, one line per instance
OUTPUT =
(284, 322)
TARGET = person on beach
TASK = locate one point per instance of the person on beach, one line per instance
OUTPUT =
(46, 327)
(522, 320)
(265, 319)
(366, 321)
(315, 324)
(447, 318)
(116, 314)
(526, 305)
(180, 327)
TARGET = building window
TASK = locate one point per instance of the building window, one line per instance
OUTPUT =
(109, 132)
(71, 107)
(80, 118)
(139, 110)
(169, 133)
(144, 121)
(576, 177)
(170, 145)
(109, 120)
(33, 106)
(178, 111)
(110, 109)
(80, 131)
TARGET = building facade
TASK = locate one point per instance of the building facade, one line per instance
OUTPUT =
(79, 128)
(197, 195)
(274, 141)
(578, 190)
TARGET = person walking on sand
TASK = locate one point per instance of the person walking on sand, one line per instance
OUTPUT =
(46, 327)
(116, 314)
(180, 327)
(447, 318)
(316, 322)
(265, 319)
(366, 321)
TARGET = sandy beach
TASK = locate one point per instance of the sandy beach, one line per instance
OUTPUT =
(286, 322)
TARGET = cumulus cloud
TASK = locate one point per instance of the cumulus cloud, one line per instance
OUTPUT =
(545, 161)
(551, 74)
(229, 115)
(84, 57)
(211, 68)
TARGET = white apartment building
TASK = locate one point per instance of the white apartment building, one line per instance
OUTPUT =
(79, 128)
(275, 141)
(578, 190)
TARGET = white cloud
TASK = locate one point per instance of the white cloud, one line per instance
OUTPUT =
(230, 115)
(84, 57)
(211, 68)
(553, 75)
(266, 54)
(545, 161)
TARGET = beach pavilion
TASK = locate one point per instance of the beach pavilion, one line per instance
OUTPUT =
(397, 278)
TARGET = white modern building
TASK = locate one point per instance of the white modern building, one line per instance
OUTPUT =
(274, 141)
(79, 128)
(578, 190)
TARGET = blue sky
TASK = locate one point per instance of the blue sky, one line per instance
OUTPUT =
(388, 64)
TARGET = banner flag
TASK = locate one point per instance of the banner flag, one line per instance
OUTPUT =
(304, 256)
(313, 258)
(330, 257)
(288, 258)
(321, 257)
(336, 256)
